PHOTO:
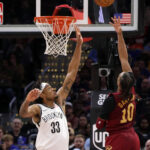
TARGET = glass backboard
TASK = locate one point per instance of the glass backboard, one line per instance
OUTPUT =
(18, 15)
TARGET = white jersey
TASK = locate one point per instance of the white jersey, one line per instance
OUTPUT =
(52, 129)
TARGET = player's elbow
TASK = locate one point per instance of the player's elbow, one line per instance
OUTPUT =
(22, 114)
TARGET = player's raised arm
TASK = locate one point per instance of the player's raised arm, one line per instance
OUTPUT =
(72, 68)
(30, 111)
(122, 50)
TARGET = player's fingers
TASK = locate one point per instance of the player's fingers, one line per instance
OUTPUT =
(115, 18)
(112, 19)
(76, 28)
(35, 91)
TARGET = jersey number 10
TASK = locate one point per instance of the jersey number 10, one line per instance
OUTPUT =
(127, 113)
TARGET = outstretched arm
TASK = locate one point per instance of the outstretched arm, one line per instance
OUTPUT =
(33, 110)
(122, 50)
(72, 69)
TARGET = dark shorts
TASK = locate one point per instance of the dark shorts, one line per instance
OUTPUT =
(125, 140)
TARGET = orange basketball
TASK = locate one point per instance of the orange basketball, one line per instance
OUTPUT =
(104, 3)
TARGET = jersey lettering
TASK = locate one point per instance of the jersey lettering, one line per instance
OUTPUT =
(127, 113)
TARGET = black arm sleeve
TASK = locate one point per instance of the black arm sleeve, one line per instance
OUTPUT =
(108, 106)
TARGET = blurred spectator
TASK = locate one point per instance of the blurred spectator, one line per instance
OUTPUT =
(85, 99)
(85, 72)
(76, 84)
(71, 138)
(147, 145)
(70, 115)
(138, 78)
(146, 107)
(143, 68)
(88, 128)
(144, 90)
(30, 131)
(88, 63)
(6, 85)
(87, 139)
(69, 124)
(1, 134)
(143, 130)
(138, 43)
(82, 125)
(77, 105)
(18, 68)
(6, 80)
(19, 137)
(143, 107)
(23, 52)
(79, 142)
(87, 144)
(7, 143)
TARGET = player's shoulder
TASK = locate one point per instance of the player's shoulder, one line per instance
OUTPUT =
(35, 108)
(112, 95)
(110, 99)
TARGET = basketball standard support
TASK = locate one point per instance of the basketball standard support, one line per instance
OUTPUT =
(38, 8)
(97, 138)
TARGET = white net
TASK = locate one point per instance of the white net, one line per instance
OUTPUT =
(56, 33)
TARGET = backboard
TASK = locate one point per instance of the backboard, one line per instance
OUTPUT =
(19, 15)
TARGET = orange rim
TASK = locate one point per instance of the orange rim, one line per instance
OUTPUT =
(50, 19)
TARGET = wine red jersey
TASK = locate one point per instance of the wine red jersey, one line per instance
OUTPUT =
(122, 116)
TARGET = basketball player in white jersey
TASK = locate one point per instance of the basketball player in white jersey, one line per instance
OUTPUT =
(49, 116)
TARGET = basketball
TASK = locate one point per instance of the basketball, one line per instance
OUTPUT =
(104, 3)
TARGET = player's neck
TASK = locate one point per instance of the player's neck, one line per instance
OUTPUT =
(49, 103)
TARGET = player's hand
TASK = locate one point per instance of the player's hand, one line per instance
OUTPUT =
(79, 38)
(33, 95)
(116, 24)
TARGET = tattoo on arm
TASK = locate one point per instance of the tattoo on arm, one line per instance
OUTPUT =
(68, 86)
(63, 103)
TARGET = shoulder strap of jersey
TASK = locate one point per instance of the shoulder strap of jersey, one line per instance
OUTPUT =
(38, 123)
(59, 107)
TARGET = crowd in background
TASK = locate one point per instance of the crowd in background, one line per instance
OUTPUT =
(20, 62)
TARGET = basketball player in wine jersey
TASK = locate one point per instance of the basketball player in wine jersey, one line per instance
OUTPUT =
(118, 110)
(49, 117)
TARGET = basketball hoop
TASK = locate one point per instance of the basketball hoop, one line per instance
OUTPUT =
(56, 31)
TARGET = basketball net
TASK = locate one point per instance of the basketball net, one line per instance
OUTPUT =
(56, 31)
